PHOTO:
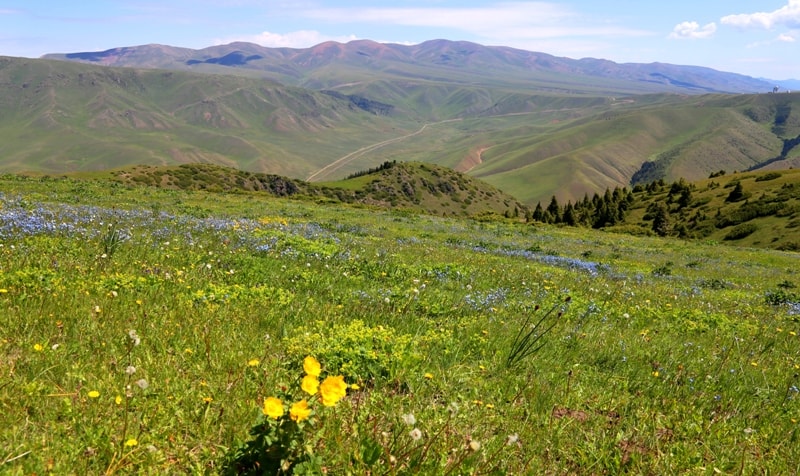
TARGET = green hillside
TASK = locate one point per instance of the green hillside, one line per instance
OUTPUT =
(61, 116)
(755, 209)
(410, 186)
(746, 209)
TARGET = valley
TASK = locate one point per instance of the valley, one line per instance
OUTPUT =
(324, 113)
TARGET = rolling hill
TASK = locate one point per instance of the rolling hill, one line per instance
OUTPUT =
(410, 186)
(530, 124)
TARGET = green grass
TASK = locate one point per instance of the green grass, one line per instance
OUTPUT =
(671, 357)
(768, 211)
(61, 117)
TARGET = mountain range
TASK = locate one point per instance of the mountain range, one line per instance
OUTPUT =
(325, 66)
(531, 124)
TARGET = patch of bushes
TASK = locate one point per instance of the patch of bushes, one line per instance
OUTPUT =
(769, 176)
(741, 231)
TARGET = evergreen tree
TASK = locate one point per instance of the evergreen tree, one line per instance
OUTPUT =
(554, 210)
(538, 213)
(736, 194)
(661, 220)
(685, 199)
(568, 217)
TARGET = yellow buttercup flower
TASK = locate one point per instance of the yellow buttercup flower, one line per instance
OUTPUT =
(273, 407)
(131, 442)
(332, 390)
(94, 394)
(253, 362)
(310, 384)
(300, 411)
(311, 366)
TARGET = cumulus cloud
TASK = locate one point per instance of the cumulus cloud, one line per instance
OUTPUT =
(692, 30)
(295, 39)
(788, 15)
(787, 38)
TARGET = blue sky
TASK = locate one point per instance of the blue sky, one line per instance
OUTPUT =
(757, 38)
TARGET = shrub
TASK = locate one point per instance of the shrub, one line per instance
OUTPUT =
(740, 231)
(357, 351)
(768, 176)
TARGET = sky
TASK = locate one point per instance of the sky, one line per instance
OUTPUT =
(756, 38)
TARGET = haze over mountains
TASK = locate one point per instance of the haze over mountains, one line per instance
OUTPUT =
(531, 124)
(431, 60)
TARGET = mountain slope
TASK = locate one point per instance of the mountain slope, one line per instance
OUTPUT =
(333, 65)
(759, 209)
(59, 117)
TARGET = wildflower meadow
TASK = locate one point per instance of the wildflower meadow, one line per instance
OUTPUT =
(149, 331)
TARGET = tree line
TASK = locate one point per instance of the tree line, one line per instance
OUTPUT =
(600, 211)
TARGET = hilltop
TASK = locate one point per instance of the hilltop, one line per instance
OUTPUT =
(415, 187)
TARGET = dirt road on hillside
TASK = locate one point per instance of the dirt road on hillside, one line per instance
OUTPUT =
(335, 165)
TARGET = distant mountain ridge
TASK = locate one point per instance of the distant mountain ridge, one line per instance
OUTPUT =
(435, 59)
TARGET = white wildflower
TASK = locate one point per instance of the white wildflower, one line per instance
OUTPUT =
(409, 419)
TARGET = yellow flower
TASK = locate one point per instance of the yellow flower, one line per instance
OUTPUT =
(38, 347)
(310, 384)
(273, 407)
(332, 390)
(428, 375)
(311, 366)
(253, 362)
(118, 400)
(94, 394)
(208, 399)
(300, 411)
(131, 442)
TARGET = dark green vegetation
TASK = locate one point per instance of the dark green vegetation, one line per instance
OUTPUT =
(142, 328)
(532, 125)
(416, 187)
(759, 209)
(748, 209)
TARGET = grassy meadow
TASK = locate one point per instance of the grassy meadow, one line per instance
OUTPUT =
(150, 331)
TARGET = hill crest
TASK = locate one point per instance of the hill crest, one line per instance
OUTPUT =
(433, 59)
(413, 186)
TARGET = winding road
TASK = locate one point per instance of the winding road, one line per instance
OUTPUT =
(333, 166)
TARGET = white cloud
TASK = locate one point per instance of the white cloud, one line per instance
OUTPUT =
(788, 15)
(787, 38)
(295, 39)
(508, 20)
(692, 30)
